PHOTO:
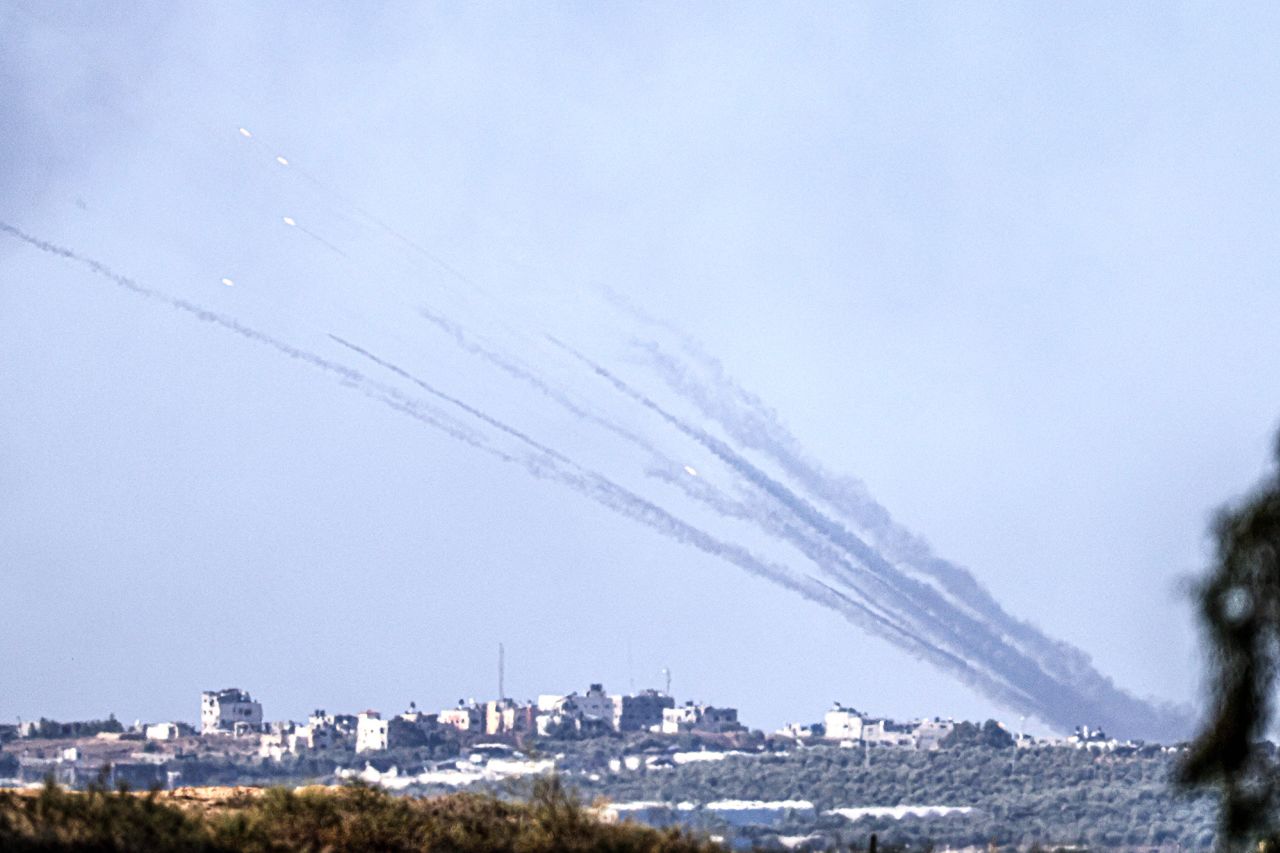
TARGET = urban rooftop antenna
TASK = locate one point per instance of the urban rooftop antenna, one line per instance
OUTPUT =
(666, 671)
(502, 694)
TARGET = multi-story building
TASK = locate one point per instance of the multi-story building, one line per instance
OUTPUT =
(373, 734)
(595, 704)
(640, 711)
(230, 711)
(507, 716)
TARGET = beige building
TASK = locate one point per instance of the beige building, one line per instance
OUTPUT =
(506, 716)
(929, 733)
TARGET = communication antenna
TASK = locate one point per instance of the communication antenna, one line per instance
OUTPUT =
(666, 672)
(502, 693)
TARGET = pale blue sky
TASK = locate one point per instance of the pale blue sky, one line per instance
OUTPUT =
(1012, 265)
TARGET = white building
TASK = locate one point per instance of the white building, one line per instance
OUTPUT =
(881, 732)
(467, 717)
(595, 708)
(163, 731)
(1095, 739)
(372, 732)
(841, 723)
(800, 731)
(595, 704)
(229, 711)
(699, 718)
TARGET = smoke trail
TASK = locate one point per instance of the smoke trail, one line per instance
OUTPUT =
(449, 398)
(628, 503)
(755, 426)
(749, 421)
(705, 494)
(353, 377)
(912, 600)
(501, 363)
(1057, 700)
(552, 466)
(909, 602)
(341, 198)
(523, 374)
(314, 236)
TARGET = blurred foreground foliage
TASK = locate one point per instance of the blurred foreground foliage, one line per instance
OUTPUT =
(353, 817)
(1240, 609)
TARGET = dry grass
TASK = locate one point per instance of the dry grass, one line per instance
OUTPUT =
(354, 817)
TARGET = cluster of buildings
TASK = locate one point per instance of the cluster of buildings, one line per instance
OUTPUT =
(592, 712)
(234, 712)
(849, 727)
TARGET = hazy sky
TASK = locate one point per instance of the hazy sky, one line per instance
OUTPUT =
(1012, 265)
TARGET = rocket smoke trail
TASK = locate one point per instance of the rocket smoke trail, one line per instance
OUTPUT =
(1054, 699)
(874, 573)
(756, 426)
(825, 558)
(523, 374)
(622, 500)
(853, 540)
(894, 596)
(1037, 675)
(753, 425)
(548, 464)
(704, 494)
